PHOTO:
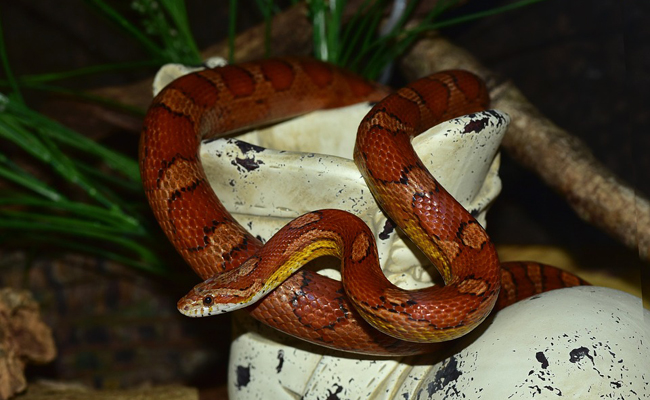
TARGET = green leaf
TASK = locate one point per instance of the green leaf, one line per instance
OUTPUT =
(124, 24)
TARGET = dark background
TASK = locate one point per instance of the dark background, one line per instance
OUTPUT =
(583, 63)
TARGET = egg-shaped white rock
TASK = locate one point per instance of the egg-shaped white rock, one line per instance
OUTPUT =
(575, 343)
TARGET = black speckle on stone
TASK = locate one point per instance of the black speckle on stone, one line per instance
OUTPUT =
(249, 164)
(243, 375)
(446, 376)
(476, 125)
(542, 359)
(335, 395)
(389, 227)
(245, 147)
(578, 354)
(280, 361)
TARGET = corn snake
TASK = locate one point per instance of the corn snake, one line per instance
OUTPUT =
(238, 268)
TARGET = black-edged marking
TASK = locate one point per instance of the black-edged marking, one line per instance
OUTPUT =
(248, 164)
(399, 181)
(239, 80)
(167, 165)
(305, 220)
(173, 112)
(205, 76)
(476, 125)
(362, 247)
(404, 175)
(468, 238)
(246, 147)
(279, 73)
(373, 114)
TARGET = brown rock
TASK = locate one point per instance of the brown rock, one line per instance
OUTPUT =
(24, 338)
(71, 391)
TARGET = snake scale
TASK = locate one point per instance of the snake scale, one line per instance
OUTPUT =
(367, 314)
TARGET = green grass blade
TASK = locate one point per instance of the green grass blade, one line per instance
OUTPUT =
(267, 8)
(46, 126)
(76, 73)
(317, 14)
(21, 177)
(7, 69)
(86, 211)
(84, 96)
(47, 151)
(153, 265)
(73, 228)
(333, 29)
(232, 30)
(12, 130)
(112, 15)
(473, 16)
(97, 175)
(358, 28)
(178, 13)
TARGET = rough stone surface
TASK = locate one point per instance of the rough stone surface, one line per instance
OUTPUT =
(64, 391)
(24, 338)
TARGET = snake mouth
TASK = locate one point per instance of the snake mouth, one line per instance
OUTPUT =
(196, 306)
(190, 306)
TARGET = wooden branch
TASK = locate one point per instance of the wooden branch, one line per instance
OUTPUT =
(561, 160)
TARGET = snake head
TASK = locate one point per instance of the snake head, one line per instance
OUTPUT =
(199, 302)
(219, 294)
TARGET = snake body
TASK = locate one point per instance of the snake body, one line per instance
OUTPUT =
(369, 314)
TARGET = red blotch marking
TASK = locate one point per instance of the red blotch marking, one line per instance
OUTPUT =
(319, 73)
(238, 80)
(472, 87)
(193, 86)
(278, 73)
(359, 87)
(435, 95)
(402, 106)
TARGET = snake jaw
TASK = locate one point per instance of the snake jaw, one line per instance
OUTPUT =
(200, 302)
(212, 297)
(193, 305)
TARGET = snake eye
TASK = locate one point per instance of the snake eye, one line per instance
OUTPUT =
(207, 300)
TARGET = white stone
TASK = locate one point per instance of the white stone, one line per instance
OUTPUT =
(575, 343)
